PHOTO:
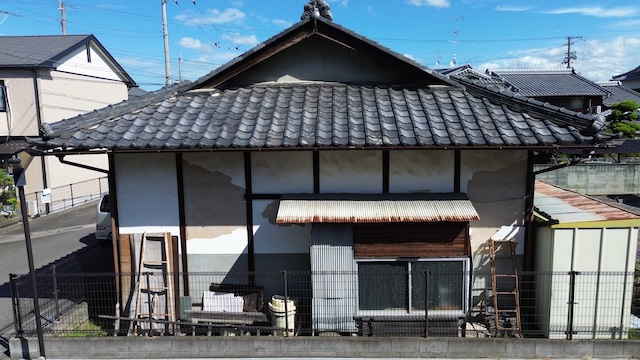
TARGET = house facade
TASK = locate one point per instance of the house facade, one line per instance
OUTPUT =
(44, 79)
(321, 150)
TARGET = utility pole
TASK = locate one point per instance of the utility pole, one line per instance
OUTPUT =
(63, 18)
(165, 35)
(180, 68)
(571, 55)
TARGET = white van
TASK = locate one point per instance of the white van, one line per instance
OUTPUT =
(103, 219)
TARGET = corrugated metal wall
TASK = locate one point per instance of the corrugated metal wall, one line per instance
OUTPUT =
(335, 292)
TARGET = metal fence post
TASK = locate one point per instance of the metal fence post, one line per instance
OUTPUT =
(571, 303)
(55, 291)
(71, 191)
(286, 301)
(426, 303)
(15, 305)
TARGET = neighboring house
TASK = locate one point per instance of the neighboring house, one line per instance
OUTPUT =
(322, 150)
(561, 87)
(44, 79)
(619, 93)
(630, 79)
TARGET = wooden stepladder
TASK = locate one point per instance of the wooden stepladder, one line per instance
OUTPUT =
(505, 289)
(154, 286)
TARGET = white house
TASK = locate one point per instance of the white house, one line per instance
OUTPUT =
(44, 79)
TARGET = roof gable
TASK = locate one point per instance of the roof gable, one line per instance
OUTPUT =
(52, 51)
(311, 48)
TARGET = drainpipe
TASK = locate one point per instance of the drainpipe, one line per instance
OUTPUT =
(43, 165)
(83, 166)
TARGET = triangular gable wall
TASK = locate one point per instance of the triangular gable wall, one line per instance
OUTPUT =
(319, 50)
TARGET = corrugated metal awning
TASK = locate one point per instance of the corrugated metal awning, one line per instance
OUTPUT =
(375, 208)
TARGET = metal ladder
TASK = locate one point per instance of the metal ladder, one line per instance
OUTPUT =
(505, 289)
(154, 288)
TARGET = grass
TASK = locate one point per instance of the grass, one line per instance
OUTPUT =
(87, 329)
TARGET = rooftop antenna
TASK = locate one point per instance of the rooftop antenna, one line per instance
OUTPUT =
(455, 40)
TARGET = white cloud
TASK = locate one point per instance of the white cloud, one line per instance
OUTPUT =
(250, 40)
(190, 43)
(281, 23)
(213, 17)
(512, 8)
(624, 25)
(432, 3)
(597, 60)
(597, 11)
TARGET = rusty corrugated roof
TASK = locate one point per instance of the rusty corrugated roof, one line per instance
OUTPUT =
(375, 208)
(568, 206)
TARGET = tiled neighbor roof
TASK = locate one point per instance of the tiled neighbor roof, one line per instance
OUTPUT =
(619, 93)
(629, 75)
(324, 114)
(561, 82)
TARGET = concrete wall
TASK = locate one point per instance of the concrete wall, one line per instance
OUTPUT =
(595, 179)
(321, 347)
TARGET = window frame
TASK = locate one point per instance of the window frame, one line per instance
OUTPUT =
(408, 311)
(3, 97)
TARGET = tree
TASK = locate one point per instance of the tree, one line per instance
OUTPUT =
(623, 118)
(7, 189)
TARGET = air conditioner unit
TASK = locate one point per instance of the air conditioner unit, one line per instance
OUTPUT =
(596, 109)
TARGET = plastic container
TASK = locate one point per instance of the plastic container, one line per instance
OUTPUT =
(282, 317)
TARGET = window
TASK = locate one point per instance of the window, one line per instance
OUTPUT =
(398, 286)
(3, 97)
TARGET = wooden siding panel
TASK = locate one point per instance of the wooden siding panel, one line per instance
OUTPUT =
(446, 239)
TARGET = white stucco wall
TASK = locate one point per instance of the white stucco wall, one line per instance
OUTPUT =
(214, 203)
(357, 172)
(282, 172)
(147, 193)
(421, 171)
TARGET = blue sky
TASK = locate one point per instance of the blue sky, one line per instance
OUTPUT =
(494, 34)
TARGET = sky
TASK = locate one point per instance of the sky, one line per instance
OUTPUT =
(604, 35)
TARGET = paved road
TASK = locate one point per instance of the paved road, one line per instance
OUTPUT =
(56, 237)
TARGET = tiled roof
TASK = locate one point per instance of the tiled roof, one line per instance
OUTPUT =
(619, 93)
(629, 75)
(326, 116)
(538, 83)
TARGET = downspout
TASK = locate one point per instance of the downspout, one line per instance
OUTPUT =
(83, 166)
(36, 91)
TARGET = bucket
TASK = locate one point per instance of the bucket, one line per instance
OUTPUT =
(279, 317)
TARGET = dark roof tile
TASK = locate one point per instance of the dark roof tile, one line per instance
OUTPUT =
(307, 115)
